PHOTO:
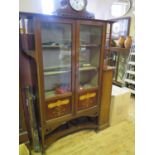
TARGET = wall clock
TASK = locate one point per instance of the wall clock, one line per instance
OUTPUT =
(73, 9)
(78, 5)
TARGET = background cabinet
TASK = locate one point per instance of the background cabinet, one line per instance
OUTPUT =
(117, 56)
(66, 68)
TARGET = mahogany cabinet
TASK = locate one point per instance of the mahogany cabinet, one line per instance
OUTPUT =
(66, 62)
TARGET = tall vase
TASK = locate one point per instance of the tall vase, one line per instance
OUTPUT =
(128, 42)
(121, 41)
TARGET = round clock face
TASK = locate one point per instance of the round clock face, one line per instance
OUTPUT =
(78, 5)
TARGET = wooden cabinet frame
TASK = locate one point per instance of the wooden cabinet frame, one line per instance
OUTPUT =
(92, 113)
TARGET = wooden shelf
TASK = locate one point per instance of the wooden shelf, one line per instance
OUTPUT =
(52, 95)
(56, 46)
(55, 72)
(88, 89)
(56, 67)
(50, 46)
(90, 45)
(69, 47)
(48, 71)
(88, 68)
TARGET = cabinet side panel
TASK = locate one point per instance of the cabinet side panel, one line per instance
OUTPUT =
(105, 98)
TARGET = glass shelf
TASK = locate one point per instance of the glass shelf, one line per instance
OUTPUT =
(48, 71)
(57, 58)
(89, 56)
(52, 93)
(55, 72)
(49, 94)
(56, 67)
(87, 86)
(90, 45)
(87, 68)
(64, 47)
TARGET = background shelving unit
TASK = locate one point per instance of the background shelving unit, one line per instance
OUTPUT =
(117, 56)
(129, 77)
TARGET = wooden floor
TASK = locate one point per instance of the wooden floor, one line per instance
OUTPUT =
(115, 140)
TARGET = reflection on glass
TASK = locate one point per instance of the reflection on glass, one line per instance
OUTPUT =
(121, 68)
(56, 49)
(90, 44)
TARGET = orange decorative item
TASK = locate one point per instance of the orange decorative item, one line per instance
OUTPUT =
(128, 42)
(121, 41)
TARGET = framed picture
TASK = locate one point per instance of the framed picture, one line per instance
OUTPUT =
(120, 27)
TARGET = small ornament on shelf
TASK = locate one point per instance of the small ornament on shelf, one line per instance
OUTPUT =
(128, 42)
(121, 41)
(62, 89)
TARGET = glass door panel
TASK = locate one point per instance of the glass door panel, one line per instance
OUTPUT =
(89, 56)
(56, 50)
(121, 68)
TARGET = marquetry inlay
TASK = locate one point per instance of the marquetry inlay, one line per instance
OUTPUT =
(58, 103)
(87, 96)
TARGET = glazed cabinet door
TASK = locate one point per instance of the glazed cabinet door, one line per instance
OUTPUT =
(89, 61)
(57, 48)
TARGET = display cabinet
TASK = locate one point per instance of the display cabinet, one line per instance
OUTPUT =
(117, 56)
(66, 62)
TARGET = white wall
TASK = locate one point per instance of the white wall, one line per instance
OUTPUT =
(101, 9)
(33, 6)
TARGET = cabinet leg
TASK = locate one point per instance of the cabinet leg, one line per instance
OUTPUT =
(30, 152)
(97, 130)
(43, 151)
(29, 148)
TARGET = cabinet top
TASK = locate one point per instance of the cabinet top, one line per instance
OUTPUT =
(60, 17)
